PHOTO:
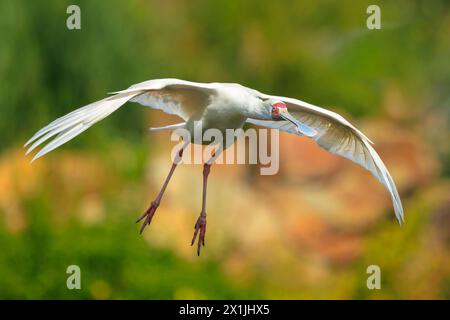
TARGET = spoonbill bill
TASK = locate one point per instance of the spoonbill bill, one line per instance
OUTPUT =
(223, 106)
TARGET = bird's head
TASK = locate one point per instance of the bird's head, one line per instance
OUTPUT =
(272, 110)
(279, 112)
(277, 109)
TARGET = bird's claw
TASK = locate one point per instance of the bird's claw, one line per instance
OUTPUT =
(148, 215)
(200, 225)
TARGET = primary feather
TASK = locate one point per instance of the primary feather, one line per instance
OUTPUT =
(173, 96)
(74, 123)
(338, 136)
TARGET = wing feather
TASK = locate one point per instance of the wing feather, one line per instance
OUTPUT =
(74, 123)
(178, 97)
(173, 96)
(338, 136)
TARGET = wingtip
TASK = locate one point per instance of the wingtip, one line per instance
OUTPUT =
(37, 156)
(400, 218)
(28, 142)
(370, 141)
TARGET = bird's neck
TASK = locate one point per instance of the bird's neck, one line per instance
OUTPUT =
(256, 110)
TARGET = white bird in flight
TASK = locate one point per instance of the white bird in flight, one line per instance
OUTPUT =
(224, 106)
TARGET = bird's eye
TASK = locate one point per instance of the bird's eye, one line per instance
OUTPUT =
(276, 108)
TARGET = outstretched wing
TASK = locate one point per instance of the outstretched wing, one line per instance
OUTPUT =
(338, 136)
(173, 96)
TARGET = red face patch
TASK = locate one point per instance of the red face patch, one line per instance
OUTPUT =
(277, 108)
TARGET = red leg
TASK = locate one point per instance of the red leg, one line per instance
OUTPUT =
(200, 225)
(148, 215)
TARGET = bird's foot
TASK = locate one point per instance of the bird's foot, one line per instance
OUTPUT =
(200, 225)
(148, 215)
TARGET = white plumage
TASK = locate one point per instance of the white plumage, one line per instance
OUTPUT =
(227, 106)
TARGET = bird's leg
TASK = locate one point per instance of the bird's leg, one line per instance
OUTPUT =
(200, 225)
(148, 215)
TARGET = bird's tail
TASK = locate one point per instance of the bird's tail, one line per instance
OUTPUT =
(74, 123)
(169, 127)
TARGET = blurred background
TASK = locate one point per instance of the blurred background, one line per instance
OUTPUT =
(308, 232)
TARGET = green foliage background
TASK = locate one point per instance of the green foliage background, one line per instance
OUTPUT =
(318, 51)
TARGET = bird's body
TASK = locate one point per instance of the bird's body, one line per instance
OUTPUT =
(224, 112)
(229, 108)
(223, 106)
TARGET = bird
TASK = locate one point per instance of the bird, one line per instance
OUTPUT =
(222, 106)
